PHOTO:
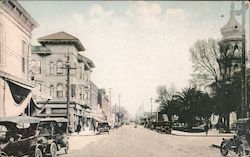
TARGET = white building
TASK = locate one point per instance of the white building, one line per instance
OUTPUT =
(16, 26)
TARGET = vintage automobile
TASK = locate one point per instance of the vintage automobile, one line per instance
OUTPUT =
(103, 127)
(19, 136)
(239, 144)
(53, 135)
(161, 124)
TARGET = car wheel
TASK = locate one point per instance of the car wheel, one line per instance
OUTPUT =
(223, 149)
(3, 154)
(241, 150)
(53, 150)
(67, 148)
(38, 152)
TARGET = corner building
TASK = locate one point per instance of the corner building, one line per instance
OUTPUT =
(48, 66)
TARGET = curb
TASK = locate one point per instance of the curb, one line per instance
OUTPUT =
(84, 135)
(203, 135)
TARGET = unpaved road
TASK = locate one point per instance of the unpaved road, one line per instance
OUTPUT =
(129, 141)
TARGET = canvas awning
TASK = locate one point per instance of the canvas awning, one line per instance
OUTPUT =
(16, 98)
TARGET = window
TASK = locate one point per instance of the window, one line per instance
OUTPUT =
(80, 92)
(51, 68)
(86, 96)
(80, 68)
(87, 78)
(59, 91)
(1, 43)
(51, 90)
(40, 87)
(59, 67)
(24, 52)
(39, 67)
(73, 90)
(33, 66)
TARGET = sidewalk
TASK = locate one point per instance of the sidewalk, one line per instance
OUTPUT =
(211, 133)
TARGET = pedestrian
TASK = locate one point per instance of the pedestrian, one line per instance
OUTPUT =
(94, 126)
(206, 129)
(210, 125)
(78, 128)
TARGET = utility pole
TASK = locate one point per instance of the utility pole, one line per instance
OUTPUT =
(68, 68)
(119, 107)
(242, 12)
(115, 113)
(151, 101)
(110, 90)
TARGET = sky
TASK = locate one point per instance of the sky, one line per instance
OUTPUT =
(135, 45)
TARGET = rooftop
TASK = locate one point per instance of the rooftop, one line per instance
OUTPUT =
(61, 37)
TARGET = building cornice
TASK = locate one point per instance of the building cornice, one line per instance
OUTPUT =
(24, 18)
(14, 78)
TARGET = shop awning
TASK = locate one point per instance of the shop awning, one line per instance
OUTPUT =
(16, 98)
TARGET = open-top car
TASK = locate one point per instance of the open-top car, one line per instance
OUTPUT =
(240, 142)
(19, 136)
(103, 127)
(53, 135)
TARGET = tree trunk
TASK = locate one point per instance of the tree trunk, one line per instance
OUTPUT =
(227, 122)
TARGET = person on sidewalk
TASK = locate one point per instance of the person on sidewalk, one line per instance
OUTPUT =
(78, 128)
(206, 129)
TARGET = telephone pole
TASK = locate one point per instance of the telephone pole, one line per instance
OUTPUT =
(115, 113)
(119, 107)
(110, 90)
(68, 68)
(151, 99)
(242, 13)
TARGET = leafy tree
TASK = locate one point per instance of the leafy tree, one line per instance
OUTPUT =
(165, 100)
(194, 105)
(204, 54)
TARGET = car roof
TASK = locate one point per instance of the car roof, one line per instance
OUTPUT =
(103, 123)
(54, 119)
(20, 119)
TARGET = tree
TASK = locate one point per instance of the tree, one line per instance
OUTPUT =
(204, 54)
(194, 105)
(165, 100)
(121, 113)
(213, 67)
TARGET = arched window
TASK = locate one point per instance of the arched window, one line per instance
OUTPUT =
(51, 90)
(59, 91)
(51, 66)
(59, 69)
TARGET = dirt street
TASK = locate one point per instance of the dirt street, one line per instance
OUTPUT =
(129, 141)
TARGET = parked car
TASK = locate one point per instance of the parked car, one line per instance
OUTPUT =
(240, 142)
(103, 127)
(53, 135)
(19, 137)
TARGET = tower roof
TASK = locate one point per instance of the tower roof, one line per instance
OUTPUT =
(61, 37)
(233, 28)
